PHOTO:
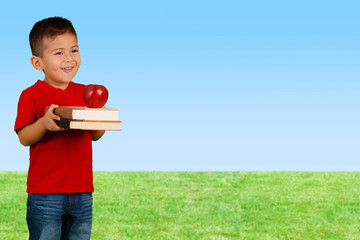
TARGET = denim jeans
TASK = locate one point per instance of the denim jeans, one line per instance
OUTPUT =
(59, 216)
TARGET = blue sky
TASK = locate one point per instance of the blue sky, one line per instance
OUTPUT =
(205, 85)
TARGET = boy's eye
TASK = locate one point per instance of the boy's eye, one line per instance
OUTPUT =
(74, 50)
(58, 53)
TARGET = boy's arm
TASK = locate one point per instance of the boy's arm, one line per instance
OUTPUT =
(97, 134)
(34, 132)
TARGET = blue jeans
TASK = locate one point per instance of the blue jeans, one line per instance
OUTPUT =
(59, 216)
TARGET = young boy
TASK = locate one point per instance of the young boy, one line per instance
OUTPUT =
(60, 180)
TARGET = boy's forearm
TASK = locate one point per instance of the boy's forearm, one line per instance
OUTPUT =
(97, 134)
(32, 133)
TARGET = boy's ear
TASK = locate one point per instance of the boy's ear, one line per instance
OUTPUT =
(36, 62)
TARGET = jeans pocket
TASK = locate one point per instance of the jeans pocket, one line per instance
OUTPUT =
(45, 206)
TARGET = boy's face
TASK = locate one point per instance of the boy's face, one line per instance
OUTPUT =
(60, 60)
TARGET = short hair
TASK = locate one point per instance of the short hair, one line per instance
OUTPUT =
(48, 27)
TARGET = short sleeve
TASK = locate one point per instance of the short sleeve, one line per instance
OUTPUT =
(26, 112)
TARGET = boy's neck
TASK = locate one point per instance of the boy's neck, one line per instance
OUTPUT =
(61, 86)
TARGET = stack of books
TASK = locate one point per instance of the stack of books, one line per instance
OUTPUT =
(84, 118)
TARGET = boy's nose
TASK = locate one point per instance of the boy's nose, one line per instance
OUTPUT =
(68, 58)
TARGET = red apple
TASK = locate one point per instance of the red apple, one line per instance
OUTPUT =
(95, 96)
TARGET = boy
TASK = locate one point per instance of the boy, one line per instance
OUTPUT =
(60, 180)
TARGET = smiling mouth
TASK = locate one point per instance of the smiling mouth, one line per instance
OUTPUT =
(67, 69)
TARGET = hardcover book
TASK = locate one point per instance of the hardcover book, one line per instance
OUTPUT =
(84, 113)
(89, 124)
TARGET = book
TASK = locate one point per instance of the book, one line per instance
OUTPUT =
(84, 113)
(89, 124)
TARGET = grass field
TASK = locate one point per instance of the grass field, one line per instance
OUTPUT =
(207, 205)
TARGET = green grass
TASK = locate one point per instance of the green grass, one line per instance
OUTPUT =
(207, 205)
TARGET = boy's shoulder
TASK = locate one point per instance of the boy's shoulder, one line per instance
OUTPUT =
(33, 87)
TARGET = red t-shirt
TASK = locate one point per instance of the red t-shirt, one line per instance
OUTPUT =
(61, 162)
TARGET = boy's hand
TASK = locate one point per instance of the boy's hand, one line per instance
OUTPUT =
(48, 120)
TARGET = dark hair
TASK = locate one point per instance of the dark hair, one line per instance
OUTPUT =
(49, 27)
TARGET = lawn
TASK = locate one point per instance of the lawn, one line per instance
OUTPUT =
(207, 205)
